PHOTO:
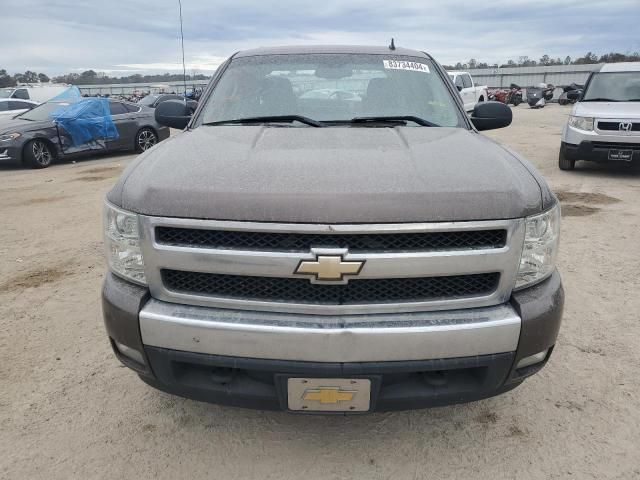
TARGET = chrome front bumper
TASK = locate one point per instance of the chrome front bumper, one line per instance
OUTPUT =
(315, 338)
(575, 136)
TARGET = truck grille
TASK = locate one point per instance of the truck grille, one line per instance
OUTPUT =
(615, 126)
(294, 290)
(406, 267)
(300, 242)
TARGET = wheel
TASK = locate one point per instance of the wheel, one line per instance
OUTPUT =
(145, 139)
(562, 101)
(564, 163)
(37, 154)
(517, 102)
(481, 99)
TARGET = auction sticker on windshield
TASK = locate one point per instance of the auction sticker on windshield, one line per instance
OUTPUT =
(404, 65)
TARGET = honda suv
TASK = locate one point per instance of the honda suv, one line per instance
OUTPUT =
(604, 125)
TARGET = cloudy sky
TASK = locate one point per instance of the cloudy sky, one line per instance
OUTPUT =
(118, 36)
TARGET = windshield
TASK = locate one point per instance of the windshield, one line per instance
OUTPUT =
(42, 112)
(331, 87)
(6, 93)
(148, 100)
(617, 87)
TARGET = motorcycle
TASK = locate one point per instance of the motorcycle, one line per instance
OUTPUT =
(496, 94)
(537, 97)
(564, 99)
(514, 95)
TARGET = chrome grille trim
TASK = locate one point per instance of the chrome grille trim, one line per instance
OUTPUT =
(503, 260)
(294, 242)
(616, 132)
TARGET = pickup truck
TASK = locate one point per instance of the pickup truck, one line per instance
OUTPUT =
(469, 91)
(322, 254)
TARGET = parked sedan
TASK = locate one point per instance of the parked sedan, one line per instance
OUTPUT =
(47, 132)
(12, 107)
(153, 101)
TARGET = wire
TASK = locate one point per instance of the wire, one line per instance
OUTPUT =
(184, 68)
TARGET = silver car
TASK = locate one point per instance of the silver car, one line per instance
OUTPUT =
(604, 126)
(10, 107)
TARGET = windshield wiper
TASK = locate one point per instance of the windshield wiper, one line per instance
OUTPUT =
(273, 118)
(395, 119)
(600, 100)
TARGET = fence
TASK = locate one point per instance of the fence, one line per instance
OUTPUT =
(129, 88)
(530, 76)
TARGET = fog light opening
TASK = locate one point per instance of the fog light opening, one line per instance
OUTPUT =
(129, 352)
(533, 359)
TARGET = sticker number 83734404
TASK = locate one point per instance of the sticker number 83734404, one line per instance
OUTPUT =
(404, 65)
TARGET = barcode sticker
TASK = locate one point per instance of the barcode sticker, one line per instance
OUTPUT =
(404, 65)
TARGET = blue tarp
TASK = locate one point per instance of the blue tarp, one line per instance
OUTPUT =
(70, 94)
(87, 120)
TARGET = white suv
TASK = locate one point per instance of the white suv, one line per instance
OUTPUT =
(604, 126)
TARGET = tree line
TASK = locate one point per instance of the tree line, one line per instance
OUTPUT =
(90, 77)
(7, 80)
(546, 60)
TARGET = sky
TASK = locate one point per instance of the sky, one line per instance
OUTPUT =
(122, 37)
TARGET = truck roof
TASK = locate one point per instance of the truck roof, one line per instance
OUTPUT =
(308, 49)
(621, 67)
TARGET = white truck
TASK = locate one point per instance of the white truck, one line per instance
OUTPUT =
(469, 91)
(39, 93)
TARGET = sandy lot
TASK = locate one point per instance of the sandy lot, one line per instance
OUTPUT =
(68, 409)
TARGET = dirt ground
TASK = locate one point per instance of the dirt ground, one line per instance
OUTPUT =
(69, 410)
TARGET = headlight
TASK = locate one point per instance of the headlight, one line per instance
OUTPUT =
(581, 123)
(122, 240)
(542, 233)
(8, 137)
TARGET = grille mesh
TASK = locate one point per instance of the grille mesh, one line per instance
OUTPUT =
(635, 127)
(618, 146)
(272, 241)
(299, 290)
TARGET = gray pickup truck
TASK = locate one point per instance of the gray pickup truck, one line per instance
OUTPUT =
(330, 233)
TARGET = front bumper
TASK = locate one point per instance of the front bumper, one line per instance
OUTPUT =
(413, 360)
(598, 151)
(9, 152)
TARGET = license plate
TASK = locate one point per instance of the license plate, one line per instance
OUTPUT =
(625, 155)
(329, 394)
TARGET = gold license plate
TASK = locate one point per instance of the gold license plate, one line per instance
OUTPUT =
(329, 394)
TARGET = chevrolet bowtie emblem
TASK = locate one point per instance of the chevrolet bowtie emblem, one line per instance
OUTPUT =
(329, 395)
(329, 267)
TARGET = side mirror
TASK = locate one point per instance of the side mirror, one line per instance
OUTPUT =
(173, 113)
(490, 115)
(459, 88)
(574, 95)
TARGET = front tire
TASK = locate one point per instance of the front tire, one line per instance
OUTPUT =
(145, 139)
(564, 163)
(37, 154)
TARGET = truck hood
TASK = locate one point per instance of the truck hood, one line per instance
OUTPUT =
(330, 175)
(618, 110)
